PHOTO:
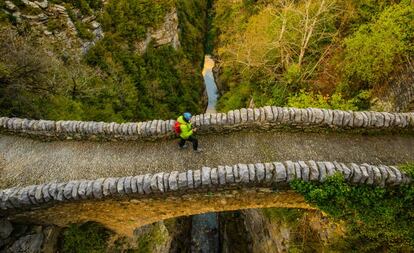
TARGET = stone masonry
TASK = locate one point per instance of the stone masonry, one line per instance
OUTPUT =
(265, 118)
(272, 174)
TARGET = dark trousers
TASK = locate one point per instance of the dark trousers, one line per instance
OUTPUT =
(192, 139)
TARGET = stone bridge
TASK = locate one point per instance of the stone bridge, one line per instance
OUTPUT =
(70, 171)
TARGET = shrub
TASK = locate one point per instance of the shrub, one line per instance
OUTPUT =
(377, 219)
(85, 238)
(373, 51)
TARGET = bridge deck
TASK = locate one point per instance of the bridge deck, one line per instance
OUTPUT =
(25, 161)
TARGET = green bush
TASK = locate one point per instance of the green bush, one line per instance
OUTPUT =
(373, 51)
(86, 238)
(377, 219)
(305, 99)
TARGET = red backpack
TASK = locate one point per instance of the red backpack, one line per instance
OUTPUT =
(176, 128)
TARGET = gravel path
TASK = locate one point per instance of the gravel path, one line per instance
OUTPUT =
(26, 161)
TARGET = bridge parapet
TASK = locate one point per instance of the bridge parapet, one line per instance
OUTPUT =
(269, 117)
(275, 175)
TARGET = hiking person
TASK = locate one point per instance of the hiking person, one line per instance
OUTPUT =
(184, 129)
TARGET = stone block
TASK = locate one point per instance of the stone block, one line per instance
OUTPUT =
(205, 176)
(52, 191)
(384, 174)
(250, 115)
(213, 120)
(296, 115)
(338, 168)
(328, 116)
(237, 117)
(23, 197)
(230, 117)
(358, 119)
(13, 197)
(206, 119)
(392, 177)
(280, 173)
(338, 117)
(60, 191)
(221, 175)
(397, 173)
(364, 172)
(298, 170)
(89, 189)
(173, 181)
(214, 176)
(260, 172)
(31, 190)
(45, 192)
(197, 178)
(356, 173)
(348, 173)
(348, 119)
(291, 171)
(105, 187)
(377, 176)
(219, 119)
(140, 183)
(366, 119)
(252, 173)
(229, 175)
(269, 172)
(236, 174)
(268, 113)
(262, 115)
(224, 119)
(318, 116)
(190, 179)
(120, 186)
(67, 192)
(243, 173)
(146, 185)
(83, 185)
(275, 113)
(75, 188)
(127, 185)
(243, 115)
(256, 114)
(305, 175)
(314, 171)
(165, 178)
(154, 183)
(182, 181)
(330, 169)
(370, 179)
(322, 171)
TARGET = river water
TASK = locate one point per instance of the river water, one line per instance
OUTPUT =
(204, 228)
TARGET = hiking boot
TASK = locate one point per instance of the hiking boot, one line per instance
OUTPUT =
(184, 147)
(199, 150)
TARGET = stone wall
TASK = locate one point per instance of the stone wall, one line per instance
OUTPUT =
(275, 175)
(266, 118)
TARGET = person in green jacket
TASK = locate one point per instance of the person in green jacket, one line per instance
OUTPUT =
(186, 132)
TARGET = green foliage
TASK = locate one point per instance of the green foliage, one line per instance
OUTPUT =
(81, 28)
(378, 219)
(55, 24)
(192, 16)
(131, 19)
(305, 99)
(167, 81)
(86, 238)
(408, 168)
(265, 45)
(285, 215)
(355, 46)
(154, 237)
(373, 51)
